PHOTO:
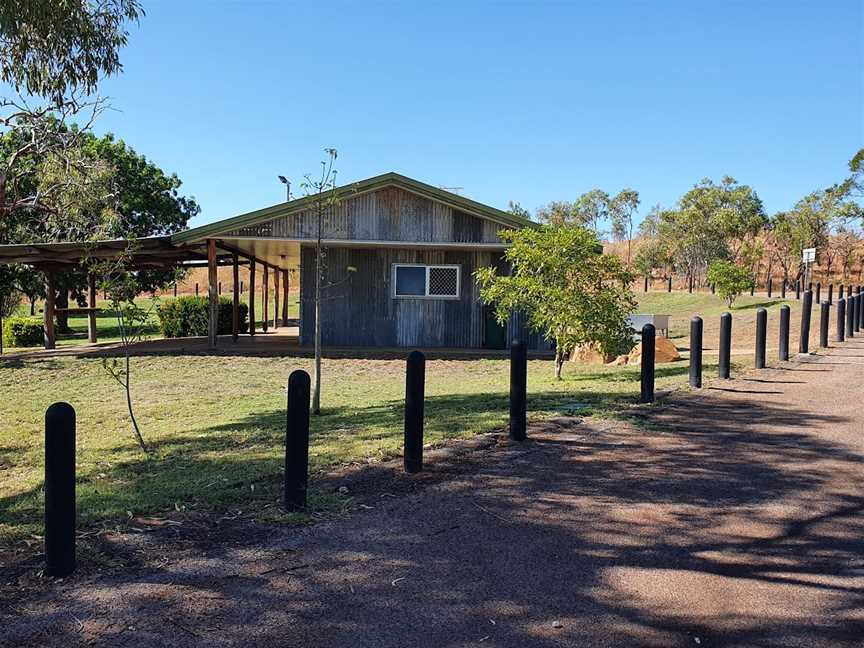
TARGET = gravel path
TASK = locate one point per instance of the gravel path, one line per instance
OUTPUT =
(729, 517)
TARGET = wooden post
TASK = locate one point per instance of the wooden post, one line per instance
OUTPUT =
(235, 305)
(275, 298)
(48, 310)
(212, 290)
(91, 315)
(265, 297)
(252, 296)
(285, 298)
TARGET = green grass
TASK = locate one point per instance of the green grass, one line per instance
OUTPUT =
(108, 331)
(217, 425)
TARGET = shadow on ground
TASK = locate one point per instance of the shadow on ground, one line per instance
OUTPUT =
(726, 521)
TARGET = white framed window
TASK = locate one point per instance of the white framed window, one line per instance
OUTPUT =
(419, 281)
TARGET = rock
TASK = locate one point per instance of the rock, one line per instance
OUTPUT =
(664, 351)
(589, 354)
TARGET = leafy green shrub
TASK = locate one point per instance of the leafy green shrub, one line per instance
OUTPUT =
(729, 279)
(23, 332)
(188, 317)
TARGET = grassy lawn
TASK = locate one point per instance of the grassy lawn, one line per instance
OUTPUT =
(217, 423)
(106, 322)
(682, 306)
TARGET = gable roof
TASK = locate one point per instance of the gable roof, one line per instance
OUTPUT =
(453, 200)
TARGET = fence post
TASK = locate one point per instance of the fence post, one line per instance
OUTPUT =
(823, 324)
(804, 340)
(645, 288)
(297, 441)
(60, 489)
(856, 312)
(785, 312)
(415, 389)
(669, 284)
(797, 289)
(518, 390)
(696, 351)
(841, 320)
(761, 333)
(818, 292)
(783, 289)
(725, 344)
(770, 287)
(830, 294)
(690, 284)
(647, 374)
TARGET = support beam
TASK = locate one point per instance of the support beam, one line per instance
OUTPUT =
(285, 298)
(235, 304)
(265, 296)
(91, 302)
(48, 311)
(275, 298)
(213, 294)
(251, 296)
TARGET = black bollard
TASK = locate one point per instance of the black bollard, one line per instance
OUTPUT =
(645, 289)
(856, 312)
(841, 320)
(518, 390)
(810, 286)
(850, 317)
(725, 344)
(696, 352)
(860, 308)
(60, 490)
(669, 284)
(712, 288)
(783, 289)
(761, 332)
(752, 288)
(818, 292)
(784, 332)
(196, 289)
(297, 441)
(690, 284)
(830, 294)
(415, 388)
(823, 324)
(175, 288)
(798, 289)
(647, 374)
(770, 287)
(804, 340)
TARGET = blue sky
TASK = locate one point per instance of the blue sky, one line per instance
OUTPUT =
(530, 102)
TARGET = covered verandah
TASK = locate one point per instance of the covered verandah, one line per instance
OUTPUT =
(276, 260)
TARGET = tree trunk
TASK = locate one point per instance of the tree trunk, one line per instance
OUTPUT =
(316, 395)
(559, 362)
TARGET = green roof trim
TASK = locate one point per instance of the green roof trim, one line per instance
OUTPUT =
(456, 201)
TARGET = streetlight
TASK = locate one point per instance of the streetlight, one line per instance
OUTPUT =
(287, 184)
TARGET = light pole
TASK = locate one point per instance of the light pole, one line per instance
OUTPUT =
(287, 184)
